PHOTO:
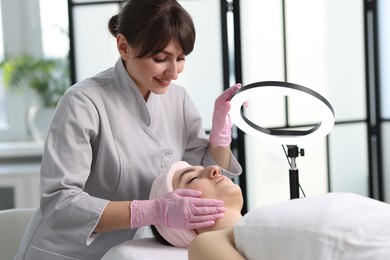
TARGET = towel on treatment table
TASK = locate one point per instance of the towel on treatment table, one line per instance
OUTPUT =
(145, 249)
(340, 226)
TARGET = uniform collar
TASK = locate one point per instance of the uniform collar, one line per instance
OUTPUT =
(133, 95)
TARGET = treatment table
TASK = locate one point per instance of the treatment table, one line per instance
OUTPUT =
(145, 247)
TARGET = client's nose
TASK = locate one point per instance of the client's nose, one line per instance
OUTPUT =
(214, 171)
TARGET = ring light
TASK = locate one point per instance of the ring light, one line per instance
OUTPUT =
(274, 135)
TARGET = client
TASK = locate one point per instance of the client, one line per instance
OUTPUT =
(341, 226)
(212, 184)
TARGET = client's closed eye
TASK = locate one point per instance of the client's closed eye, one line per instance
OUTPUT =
(192, 179)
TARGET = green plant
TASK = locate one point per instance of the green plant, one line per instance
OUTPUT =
(49, 78)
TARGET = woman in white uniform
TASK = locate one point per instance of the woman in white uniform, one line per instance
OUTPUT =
(112, 134)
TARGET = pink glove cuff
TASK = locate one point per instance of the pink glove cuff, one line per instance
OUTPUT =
(141, 213)
(221, 133)
(222, 138)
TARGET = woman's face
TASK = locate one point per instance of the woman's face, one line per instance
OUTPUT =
(155, 73)
(209, 181)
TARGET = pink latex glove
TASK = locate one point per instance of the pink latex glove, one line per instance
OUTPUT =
(181, 208)
(221, 130)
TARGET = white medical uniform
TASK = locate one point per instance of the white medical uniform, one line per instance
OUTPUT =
(106, 144)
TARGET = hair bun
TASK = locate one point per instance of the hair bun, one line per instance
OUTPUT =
(112, 25)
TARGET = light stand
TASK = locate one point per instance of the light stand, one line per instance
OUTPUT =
(292, 153)
(277, 88)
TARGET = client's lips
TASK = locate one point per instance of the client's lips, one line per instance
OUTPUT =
(221, 178)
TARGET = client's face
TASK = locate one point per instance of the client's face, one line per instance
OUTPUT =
(209, 181)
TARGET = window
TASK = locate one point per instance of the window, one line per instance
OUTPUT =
(3, 115)
(384, 50)
(28, 27)
(55, 39)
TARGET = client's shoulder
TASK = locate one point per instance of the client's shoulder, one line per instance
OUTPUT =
(214, 245)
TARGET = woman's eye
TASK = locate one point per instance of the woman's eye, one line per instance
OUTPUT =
(191, 180)
(158, 60)
(181, 59)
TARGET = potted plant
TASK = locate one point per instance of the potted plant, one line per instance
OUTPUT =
(47, 77)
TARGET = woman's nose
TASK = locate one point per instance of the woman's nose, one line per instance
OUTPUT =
(172, 70)
(214, 171)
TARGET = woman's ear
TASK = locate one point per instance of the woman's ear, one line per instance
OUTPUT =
(122, 46)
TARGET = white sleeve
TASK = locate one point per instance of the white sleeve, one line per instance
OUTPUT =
(66, 166)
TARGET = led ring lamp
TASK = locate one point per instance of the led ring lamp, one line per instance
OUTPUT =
(289, 137)
(274, 135)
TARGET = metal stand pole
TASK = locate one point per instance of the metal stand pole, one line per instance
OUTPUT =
(293, 153)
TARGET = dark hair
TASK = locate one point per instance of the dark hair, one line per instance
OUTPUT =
(159, 237)
(150, 25)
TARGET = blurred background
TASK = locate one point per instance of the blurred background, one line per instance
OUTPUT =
(339, 48)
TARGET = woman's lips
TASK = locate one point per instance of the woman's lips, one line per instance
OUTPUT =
(221, 178)
(163, 82)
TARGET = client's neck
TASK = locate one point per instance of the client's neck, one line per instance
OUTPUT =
(230, 218)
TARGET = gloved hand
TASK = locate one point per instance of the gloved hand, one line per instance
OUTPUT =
(181, 208)
(221, 130)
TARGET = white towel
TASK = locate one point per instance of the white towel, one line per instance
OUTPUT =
(340, 226)
(145, 249)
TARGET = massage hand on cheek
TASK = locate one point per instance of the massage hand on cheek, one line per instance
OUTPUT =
(181, 209)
